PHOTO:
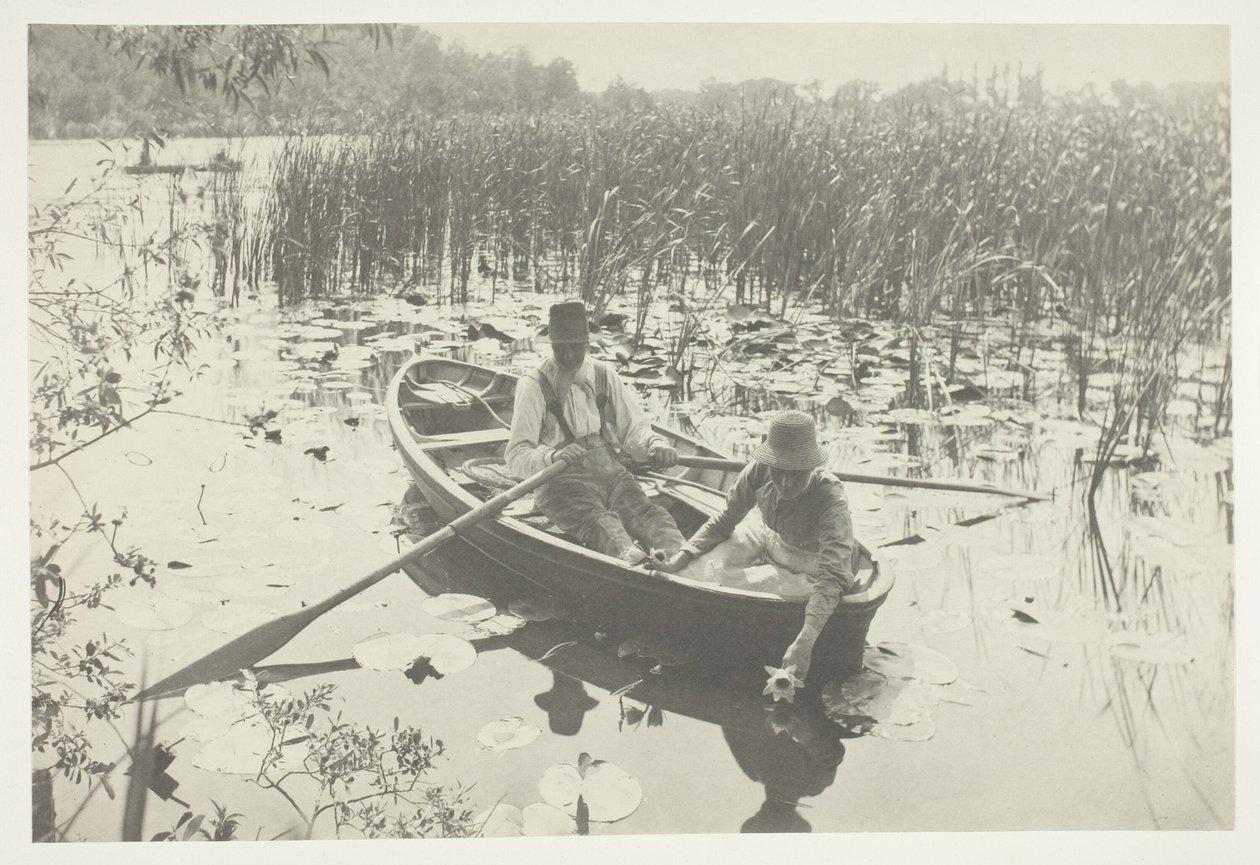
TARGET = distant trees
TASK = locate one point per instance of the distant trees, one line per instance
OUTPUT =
(108, 81)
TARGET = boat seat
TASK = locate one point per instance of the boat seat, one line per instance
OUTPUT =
(448, 441)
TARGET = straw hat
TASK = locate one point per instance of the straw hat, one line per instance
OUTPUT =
(792, 443)
(566, 323)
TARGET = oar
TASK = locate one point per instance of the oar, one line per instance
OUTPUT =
(924, 484)
(254, 645)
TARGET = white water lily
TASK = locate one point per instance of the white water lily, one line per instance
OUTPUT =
(782, 683)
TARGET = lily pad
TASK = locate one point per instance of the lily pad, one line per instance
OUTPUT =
(667, 651)
(917, 732)
(943, 622)
(889, 461)
(501, 821)
(1152, 648)
(156, 613)
(1020, 566)
(213, 699)
(507, 733)
(874, 696)
(911, 557)
(191, 592)
(610, 792)
(445, 653)
(1155, 487)
(254, 585)
(1159, 552)
(387, 651)
(912, 416)
(541, 819)
(236, 619)
(243, 748)
(1058, 626)
(498, 626)
(538, 609)
(1178, 532)
(459, 608)
(907, 661)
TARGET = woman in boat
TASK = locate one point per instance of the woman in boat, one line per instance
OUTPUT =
(801, 528)
(574, 409)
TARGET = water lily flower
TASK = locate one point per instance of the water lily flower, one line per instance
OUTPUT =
(782, 683)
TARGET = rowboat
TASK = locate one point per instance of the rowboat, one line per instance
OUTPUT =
(449, 421)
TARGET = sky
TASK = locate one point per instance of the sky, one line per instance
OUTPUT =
(659, 56)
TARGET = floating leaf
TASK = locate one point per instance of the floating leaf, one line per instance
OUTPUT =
(1020, 566)
(236, 619)
(1059, 626)
(387, 651)
(666, 650)
(1177, 532)
(872, 695)
(421, 668)
(501, 821)
(500, 625)
(943, 622)
(1152, 648)
(447, 653)
(213, 699)
(906, 661)
(911, 557)
(920, 731)
(153, 613)
(539, 608)
(609, 792)
(191, 592)
(243, 748)
(541, 819)
(459, 608)
(253, 585)
(507, 733)
(911, 416)
(838, 406)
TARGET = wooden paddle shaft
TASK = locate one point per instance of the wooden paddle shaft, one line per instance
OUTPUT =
(915, 483)
(266, 639)
(448, 532)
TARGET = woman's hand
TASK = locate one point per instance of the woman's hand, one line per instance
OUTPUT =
(800, 652)
(676, 562)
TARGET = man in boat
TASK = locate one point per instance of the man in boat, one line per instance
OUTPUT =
(804, 532)
(574, 409)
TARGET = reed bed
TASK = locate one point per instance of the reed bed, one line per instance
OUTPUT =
(1101, 225)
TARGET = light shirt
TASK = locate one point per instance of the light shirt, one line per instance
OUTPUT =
(536, 434)
(817, 521)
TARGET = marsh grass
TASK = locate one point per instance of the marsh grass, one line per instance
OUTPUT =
(1100, 229)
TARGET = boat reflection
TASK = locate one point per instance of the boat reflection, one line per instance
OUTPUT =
(791, 749)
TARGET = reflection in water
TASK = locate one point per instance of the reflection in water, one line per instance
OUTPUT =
(566, 704)
(797, 758)
(792, 750)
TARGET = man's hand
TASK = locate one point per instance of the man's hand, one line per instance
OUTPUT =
(800, 651)
(676, 562)
(571, 453)
(662, 456)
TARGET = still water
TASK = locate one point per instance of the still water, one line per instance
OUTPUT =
(1081, 700)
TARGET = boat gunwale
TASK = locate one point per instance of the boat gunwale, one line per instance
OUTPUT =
(612, 569)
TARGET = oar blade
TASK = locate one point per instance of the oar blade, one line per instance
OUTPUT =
(244, 651)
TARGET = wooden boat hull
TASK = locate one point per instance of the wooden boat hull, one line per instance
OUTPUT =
(756, 627)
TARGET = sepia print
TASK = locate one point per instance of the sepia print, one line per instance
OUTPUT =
(492, 430)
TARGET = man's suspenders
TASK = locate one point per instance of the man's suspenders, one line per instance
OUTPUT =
(555, 403)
